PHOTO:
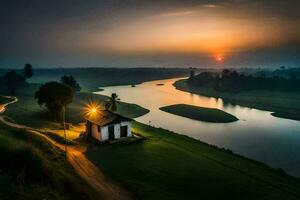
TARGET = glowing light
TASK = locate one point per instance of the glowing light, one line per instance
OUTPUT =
(219, 58)
(92, 109)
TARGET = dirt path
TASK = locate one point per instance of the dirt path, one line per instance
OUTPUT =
(84, 167)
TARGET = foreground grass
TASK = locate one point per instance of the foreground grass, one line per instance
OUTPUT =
(200, 113)
(172, 166)
(31, 168)
(283, 104)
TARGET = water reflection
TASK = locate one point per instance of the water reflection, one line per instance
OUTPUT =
(256, 135)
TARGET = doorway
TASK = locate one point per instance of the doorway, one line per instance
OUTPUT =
(124, 130)
(111, 132)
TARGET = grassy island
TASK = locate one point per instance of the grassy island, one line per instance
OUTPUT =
(200, 113)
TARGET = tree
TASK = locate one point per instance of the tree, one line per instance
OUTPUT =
(27, 71)
(55, 96)
(12, 80)
(225, 73)
(112, 102)
(70, 81)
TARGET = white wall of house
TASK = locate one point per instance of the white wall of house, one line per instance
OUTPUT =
(128, 129)
(103, 135)
(104, 132)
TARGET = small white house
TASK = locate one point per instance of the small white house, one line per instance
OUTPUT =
(107, 125)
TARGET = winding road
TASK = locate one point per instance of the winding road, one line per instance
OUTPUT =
(106, 188)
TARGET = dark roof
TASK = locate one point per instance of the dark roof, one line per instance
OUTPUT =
(105, 117)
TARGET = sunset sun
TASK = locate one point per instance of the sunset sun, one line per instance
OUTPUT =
(219, 58)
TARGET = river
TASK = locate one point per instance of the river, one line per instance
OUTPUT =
(257, 134)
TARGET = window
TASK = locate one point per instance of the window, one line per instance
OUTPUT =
(111, 132)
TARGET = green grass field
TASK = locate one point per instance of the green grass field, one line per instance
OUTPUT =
(26, 111)
(283, 104)
(31, 168)
(200, 113)
(165, 166)
(172, 166)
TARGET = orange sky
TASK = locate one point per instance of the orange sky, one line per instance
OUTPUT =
(202, 29)
(150, 33)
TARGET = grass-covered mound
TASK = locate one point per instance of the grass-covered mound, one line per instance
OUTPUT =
(31, 168)
(76, 109)
(283, 104)
(171, 166)
(200, 113)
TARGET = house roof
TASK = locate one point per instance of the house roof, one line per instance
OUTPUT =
(105, 117)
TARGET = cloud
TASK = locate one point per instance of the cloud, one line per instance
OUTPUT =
(209, 6)
(177, 13)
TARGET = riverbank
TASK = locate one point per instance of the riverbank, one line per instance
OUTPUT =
(282, 104)
(172, 166)
(200, 113)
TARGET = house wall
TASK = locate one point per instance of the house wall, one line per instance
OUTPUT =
(117, 130)
(103, 134)
(95, 132)
(128, 129)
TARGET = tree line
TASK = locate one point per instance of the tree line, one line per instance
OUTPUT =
(54, 95)
(232, 81)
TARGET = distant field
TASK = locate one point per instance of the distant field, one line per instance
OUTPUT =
(26, 111)
(171, 166)
(283, 104)
(92, 78)
(200, 113)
